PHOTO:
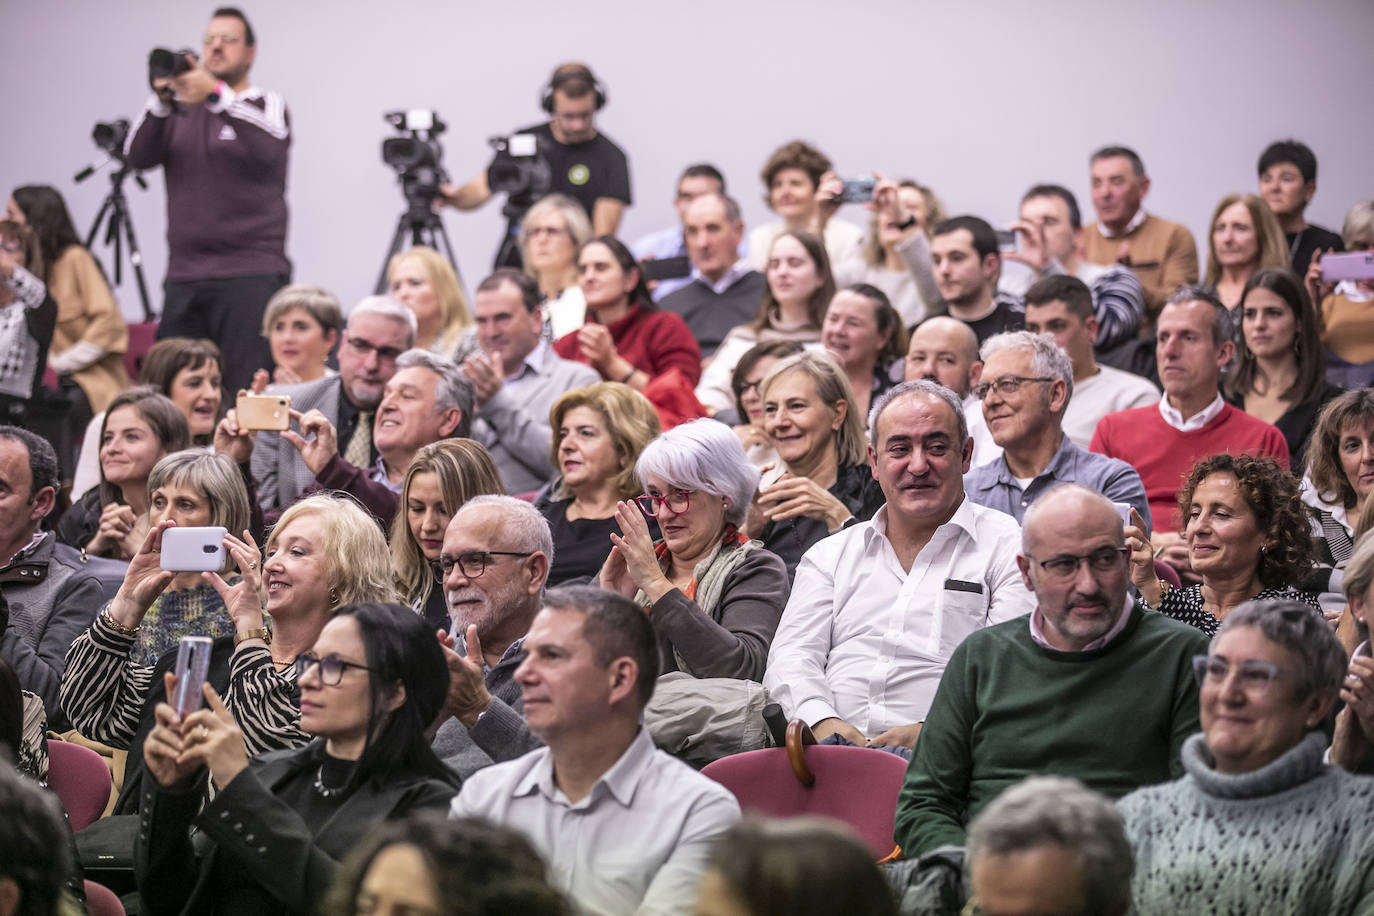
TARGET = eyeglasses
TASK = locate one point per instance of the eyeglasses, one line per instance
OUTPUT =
(552, 232)
(223, 38)
(1007, 384)
(364, 348)
(1066, 565)
(746, 387)
(678, 502)
(475, 563)
(331, 667)
(1256, 676)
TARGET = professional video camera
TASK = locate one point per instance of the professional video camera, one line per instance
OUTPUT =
(417, 157)
(520, 170)
(109, 136)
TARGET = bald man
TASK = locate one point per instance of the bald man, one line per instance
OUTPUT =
(1036, 695)
(945, 350)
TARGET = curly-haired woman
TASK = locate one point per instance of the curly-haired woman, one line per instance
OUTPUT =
(1247, 535)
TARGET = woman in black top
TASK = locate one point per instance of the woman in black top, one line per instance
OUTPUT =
(825, 484)
(599, 432)
(1280, 370)
(279, 824)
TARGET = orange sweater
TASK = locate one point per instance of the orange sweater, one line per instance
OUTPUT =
(1162, 255)
(1348, 328)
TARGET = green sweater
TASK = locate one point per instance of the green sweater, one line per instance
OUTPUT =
(1006, 708)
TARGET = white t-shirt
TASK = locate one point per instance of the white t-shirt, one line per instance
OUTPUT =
(1106, 392)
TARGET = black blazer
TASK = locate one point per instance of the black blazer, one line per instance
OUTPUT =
(250, 836)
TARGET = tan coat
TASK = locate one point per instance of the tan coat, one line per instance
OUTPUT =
(1163, 257)
(86, 310)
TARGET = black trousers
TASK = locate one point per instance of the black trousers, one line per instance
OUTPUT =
(229, 311)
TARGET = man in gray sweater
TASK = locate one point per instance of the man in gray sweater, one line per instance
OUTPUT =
(495, 560)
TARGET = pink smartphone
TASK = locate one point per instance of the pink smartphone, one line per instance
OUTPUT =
(1348, 265)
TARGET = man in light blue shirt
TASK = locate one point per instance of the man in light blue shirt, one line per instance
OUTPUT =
(624, 827)
(1026, 385)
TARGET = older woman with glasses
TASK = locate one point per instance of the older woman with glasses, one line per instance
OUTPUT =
(1247, 535)
(1259, 823)
(713, 595)
(272, 836)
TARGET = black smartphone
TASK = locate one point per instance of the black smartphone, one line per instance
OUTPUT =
(656, 269)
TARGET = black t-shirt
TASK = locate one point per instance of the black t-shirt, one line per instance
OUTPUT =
(1302, 244)
(584, 171)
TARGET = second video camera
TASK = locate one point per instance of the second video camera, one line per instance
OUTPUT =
(416, 157)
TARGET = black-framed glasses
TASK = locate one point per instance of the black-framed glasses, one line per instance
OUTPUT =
(367, 348)
(1007, 384)
(475, 563)
(1066, 565)
(1256, 676)
(746, 387)
(331, 667)
(677, 501)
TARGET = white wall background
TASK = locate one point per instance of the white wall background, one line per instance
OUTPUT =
(979, 100)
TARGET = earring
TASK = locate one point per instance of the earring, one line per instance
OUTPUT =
(333, 598)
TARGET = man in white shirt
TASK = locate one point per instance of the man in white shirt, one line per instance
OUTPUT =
(877, 609)
(945, 350)
(517, 377)
(1062, 306)
(624, 827)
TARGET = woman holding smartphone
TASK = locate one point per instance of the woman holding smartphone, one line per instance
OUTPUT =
(278, 825)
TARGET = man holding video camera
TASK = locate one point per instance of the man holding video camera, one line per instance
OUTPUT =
(570, 158)
(222, 144)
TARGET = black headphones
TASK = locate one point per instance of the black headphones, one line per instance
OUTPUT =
(568, 72)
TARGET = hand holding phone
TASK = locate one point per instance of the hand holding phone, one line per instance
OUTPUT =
(263, 411)
(857, 190)
(193, 549)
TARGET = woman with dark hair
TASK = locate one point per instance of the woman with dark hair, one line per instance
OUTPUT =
(865, 335)
(799, 290)
(432, 865)
(27, 316)
(744, 383)
(278, 824)
(626, 337)
(111, 520)
(189, 372)
(90, 339)
(1247, 536)
(1279, 375)
(1340, 474)
(797, 867)
(440, 478)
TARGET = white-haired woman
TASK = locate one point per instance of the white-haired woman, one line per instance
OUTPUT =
(713, 595)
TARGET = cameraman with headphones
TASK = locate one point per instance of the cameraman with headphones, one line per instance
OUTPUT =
(583, 164)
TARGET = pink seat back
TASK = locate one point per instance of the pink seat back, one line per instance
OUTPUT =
(855, 785)
(101, 901)
(81, 779)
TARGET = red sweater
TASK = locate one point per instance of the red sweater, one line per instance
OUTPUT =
(652, 341)
(1163, 456)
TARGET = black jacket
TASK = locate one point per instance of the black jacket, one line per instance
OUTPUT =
(251, 836)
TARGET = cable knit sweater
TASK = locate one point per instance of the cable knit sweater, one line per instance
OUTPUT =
(1293, 837)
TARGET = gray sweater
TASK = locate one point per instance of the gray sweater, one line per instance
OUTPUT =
(1293, 837)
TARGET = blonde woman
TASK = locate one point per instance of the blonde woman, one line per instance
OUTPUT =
(440, 478)
(551, 234)
(1244, 237)
(598, 433)
(424, 282)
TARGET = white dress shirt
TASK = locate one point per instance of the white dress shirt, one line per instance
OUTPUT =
(1174, 416)
(864, 640)
(636, 844)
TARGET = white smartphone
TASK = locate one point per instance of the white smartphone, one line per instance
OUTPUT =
(1123, 510)
(193, 549)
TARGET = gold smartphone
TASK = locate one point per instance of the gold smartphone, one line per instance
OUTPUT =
(264, 411)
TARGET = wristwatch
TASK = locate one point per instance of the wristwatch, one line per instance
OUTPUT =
(256, 633)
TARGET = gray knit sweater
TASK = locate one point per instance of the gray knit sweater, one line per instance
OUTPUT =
(1293, 837)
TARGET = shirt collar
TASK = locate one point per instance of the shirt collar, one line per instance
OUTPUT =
(534, 360)
(1037, 629)
(964, 517)
(620, 781)
(1132, 226)
(1174, 417)
(379, 475)
(727, 280)
(1059, 468)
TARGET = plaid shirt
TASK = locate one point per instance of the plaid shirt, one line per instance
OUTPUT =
(18, 350)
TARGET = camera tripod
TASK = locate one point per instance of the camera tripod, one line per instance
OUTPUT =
(422, 226)
(120, 227)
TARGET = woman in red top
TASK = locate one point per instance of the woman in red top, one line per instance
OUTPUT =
(626, 338)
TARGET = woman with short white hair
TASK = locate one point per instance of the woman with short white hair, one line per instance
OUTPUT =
(713, 595)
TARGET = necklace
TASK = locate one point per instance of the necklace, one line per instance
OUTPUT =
(320, 787)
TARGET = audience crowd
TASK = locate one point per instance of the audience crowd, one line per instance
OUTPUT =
(1070, 522)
